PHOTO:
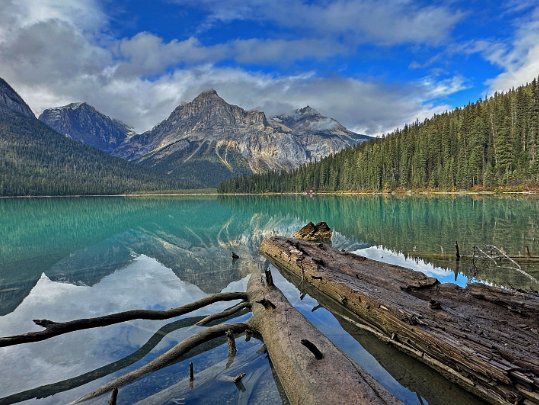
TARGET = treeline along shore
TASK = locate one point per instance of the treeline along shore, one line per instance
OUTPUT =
(490, 144)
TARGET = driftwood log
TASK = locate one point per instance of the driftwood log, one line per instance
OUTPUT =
(306, 378)
(310, 368)
(482, 338)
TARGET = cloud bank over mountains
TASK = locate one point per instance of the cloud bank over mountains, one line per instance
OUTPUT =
(55, 52)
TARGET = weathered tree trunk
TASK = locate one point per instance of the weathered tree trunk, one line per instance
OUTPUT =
(307, 377)
(483, 338)
(310, 368)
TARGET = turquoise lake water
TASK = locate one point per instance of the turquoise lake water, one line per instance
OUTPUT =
(68, 258)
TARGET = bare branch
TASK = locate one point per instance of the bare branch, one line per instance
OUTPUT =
(59, 328)
(65, 385)
(166, 358)
(226, 313)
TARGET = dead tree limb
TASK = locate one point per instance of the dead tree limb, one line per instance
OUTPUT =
(224, 314)
(166, 358)
(59, 328)
(65, 385)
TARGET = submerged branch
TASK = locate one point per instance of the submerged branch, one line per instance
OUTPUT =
(59, 328)
(166, 358)
(65, 385)
(224, 314)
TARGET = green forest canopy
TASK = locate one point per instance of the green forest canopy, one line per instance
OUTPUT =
(488, 144)
(35, 160)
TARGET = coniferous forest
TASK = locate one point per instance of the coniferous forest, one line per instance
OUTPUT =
(38, 161)
(486, 145)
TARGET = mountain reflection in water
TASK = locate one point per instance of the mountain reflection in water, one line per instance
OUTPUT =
(67, 258)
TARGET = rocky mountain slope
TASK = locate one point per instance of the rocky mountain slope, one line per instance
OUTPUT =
(83, 123)
(320, 135)
(36, 160)
(208, 140)
(11, 103)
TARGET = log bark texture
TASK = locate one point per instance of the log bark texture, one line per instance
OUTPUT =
(482, 338)
(306, 379)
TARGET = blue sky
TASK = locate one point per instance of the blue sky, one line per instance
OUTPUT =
(373, 65)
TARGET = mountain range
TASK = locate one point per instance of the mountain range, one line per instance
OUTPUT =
(36, 160)
(76, 149)
(83, 123)
(208, 140)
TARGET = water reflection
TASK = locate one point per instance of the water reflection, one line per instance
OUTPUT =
(70, 258)
(424, 227)
(399, 259)
(145, 283)
(82, 240)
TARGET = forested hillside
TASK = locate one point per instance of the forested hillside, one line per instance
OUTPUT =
(487, 144)
(35, 160)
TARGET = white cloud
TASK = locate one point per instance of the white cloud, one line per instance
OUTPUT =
(520, 61)
(56, 52)
(85, 15)
(147, 54)
(435, 87)
(358, 21)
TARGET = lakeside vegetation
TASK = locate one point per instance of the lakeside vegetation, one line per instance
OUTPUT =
(491, 144)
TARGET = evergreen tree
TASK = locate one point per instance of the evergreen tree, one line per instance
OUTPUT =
(490, 143)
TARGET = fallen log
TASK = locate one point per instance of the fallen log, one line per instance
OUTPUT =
(480, 337)
(310, 368)
(410, 373)
(307, 377)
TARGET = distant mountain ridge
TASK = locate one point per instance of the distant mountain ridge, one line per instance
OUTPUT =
(208, 140)
(11, 102)
(83, 123)
(36, 160)
(203, 142)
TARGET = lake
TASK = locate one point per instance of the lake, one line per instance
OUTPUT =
(68, 258)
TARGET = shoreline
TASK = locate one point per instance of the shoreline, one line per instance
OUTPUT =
(336, 193)
(390, 193)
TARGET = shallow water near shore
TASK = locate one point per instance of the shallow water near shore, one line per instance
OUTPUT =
(68, 258)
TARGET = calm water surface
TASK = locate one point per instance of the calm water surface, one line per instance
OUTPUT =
(69, 258)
